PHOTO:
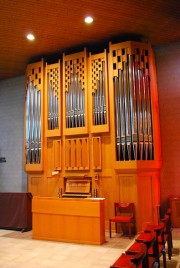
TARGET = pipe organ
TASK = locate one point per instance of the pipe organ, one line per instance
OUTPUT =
(132, 102)
(98, 81)
(33, 117)
(53, 100)
(75, 93)
(96, 115)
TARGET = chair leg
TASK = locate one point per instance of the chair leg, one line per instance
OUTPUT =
(116, 227)
(129, 225)
(164, 258)
(169, 246)
(110, 228)
(145, 263)
(170, 237)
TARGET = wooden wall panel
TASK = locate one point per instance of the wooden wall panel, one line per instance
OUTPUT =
(67, 154)
(77, 154)
(128, 191)
(53, 186)
(107, 186)
(73, 154)
(37, 185)
(128, 188)
(49, 158)
(85, 153)
(57, 154)
(145, 209)
(96, 150)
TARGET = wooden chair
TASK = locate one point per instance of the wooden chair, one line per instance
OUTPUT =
(169, 212)
(130, 261)
(148, 239)
(167, 235)
(159, 245)
(124, 214)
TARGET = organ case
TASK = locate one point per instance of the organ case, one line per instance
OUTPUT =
(110, 134)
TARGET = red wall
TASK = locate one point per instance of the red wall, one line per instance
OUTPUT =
(168, 77)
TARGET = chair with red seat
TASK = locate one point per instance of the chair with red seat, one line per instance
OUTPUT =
(169, 212)
(148, 239)
(124, 214)
(167, 235)
(130, 261)
(159, 245)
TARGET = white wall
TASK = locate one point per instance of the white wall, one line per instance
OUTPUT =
(12, 175)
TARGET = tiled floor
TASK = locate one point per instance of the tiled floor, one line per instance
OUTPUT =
(20, 250)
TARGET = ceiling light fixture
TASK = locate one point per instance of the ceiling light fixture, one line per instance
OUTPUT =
(30, 37)
(88, 19)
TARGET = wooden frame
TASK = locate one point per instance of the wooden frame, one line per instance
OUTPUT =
(53, 72)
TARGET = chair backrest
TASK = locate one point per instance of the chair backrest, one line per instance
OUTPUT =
(159, 230)
(124, 208)
(140, 256)
(169, 213)
(166, 221)
(147, 238)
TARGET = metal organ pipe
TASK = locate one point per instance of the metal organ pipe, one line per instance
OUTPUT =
(133, 118)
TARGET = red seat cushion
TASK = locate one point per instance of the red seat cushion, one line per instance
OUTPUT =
(121, 219)
(123, 261)
(134, 248)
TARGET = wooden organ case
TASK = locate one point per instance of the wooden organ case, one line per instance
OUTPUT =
(99, 118)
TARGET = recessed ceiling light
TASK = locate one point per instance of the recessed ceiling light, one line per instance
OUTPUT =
(30, 37)
(88, 19)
